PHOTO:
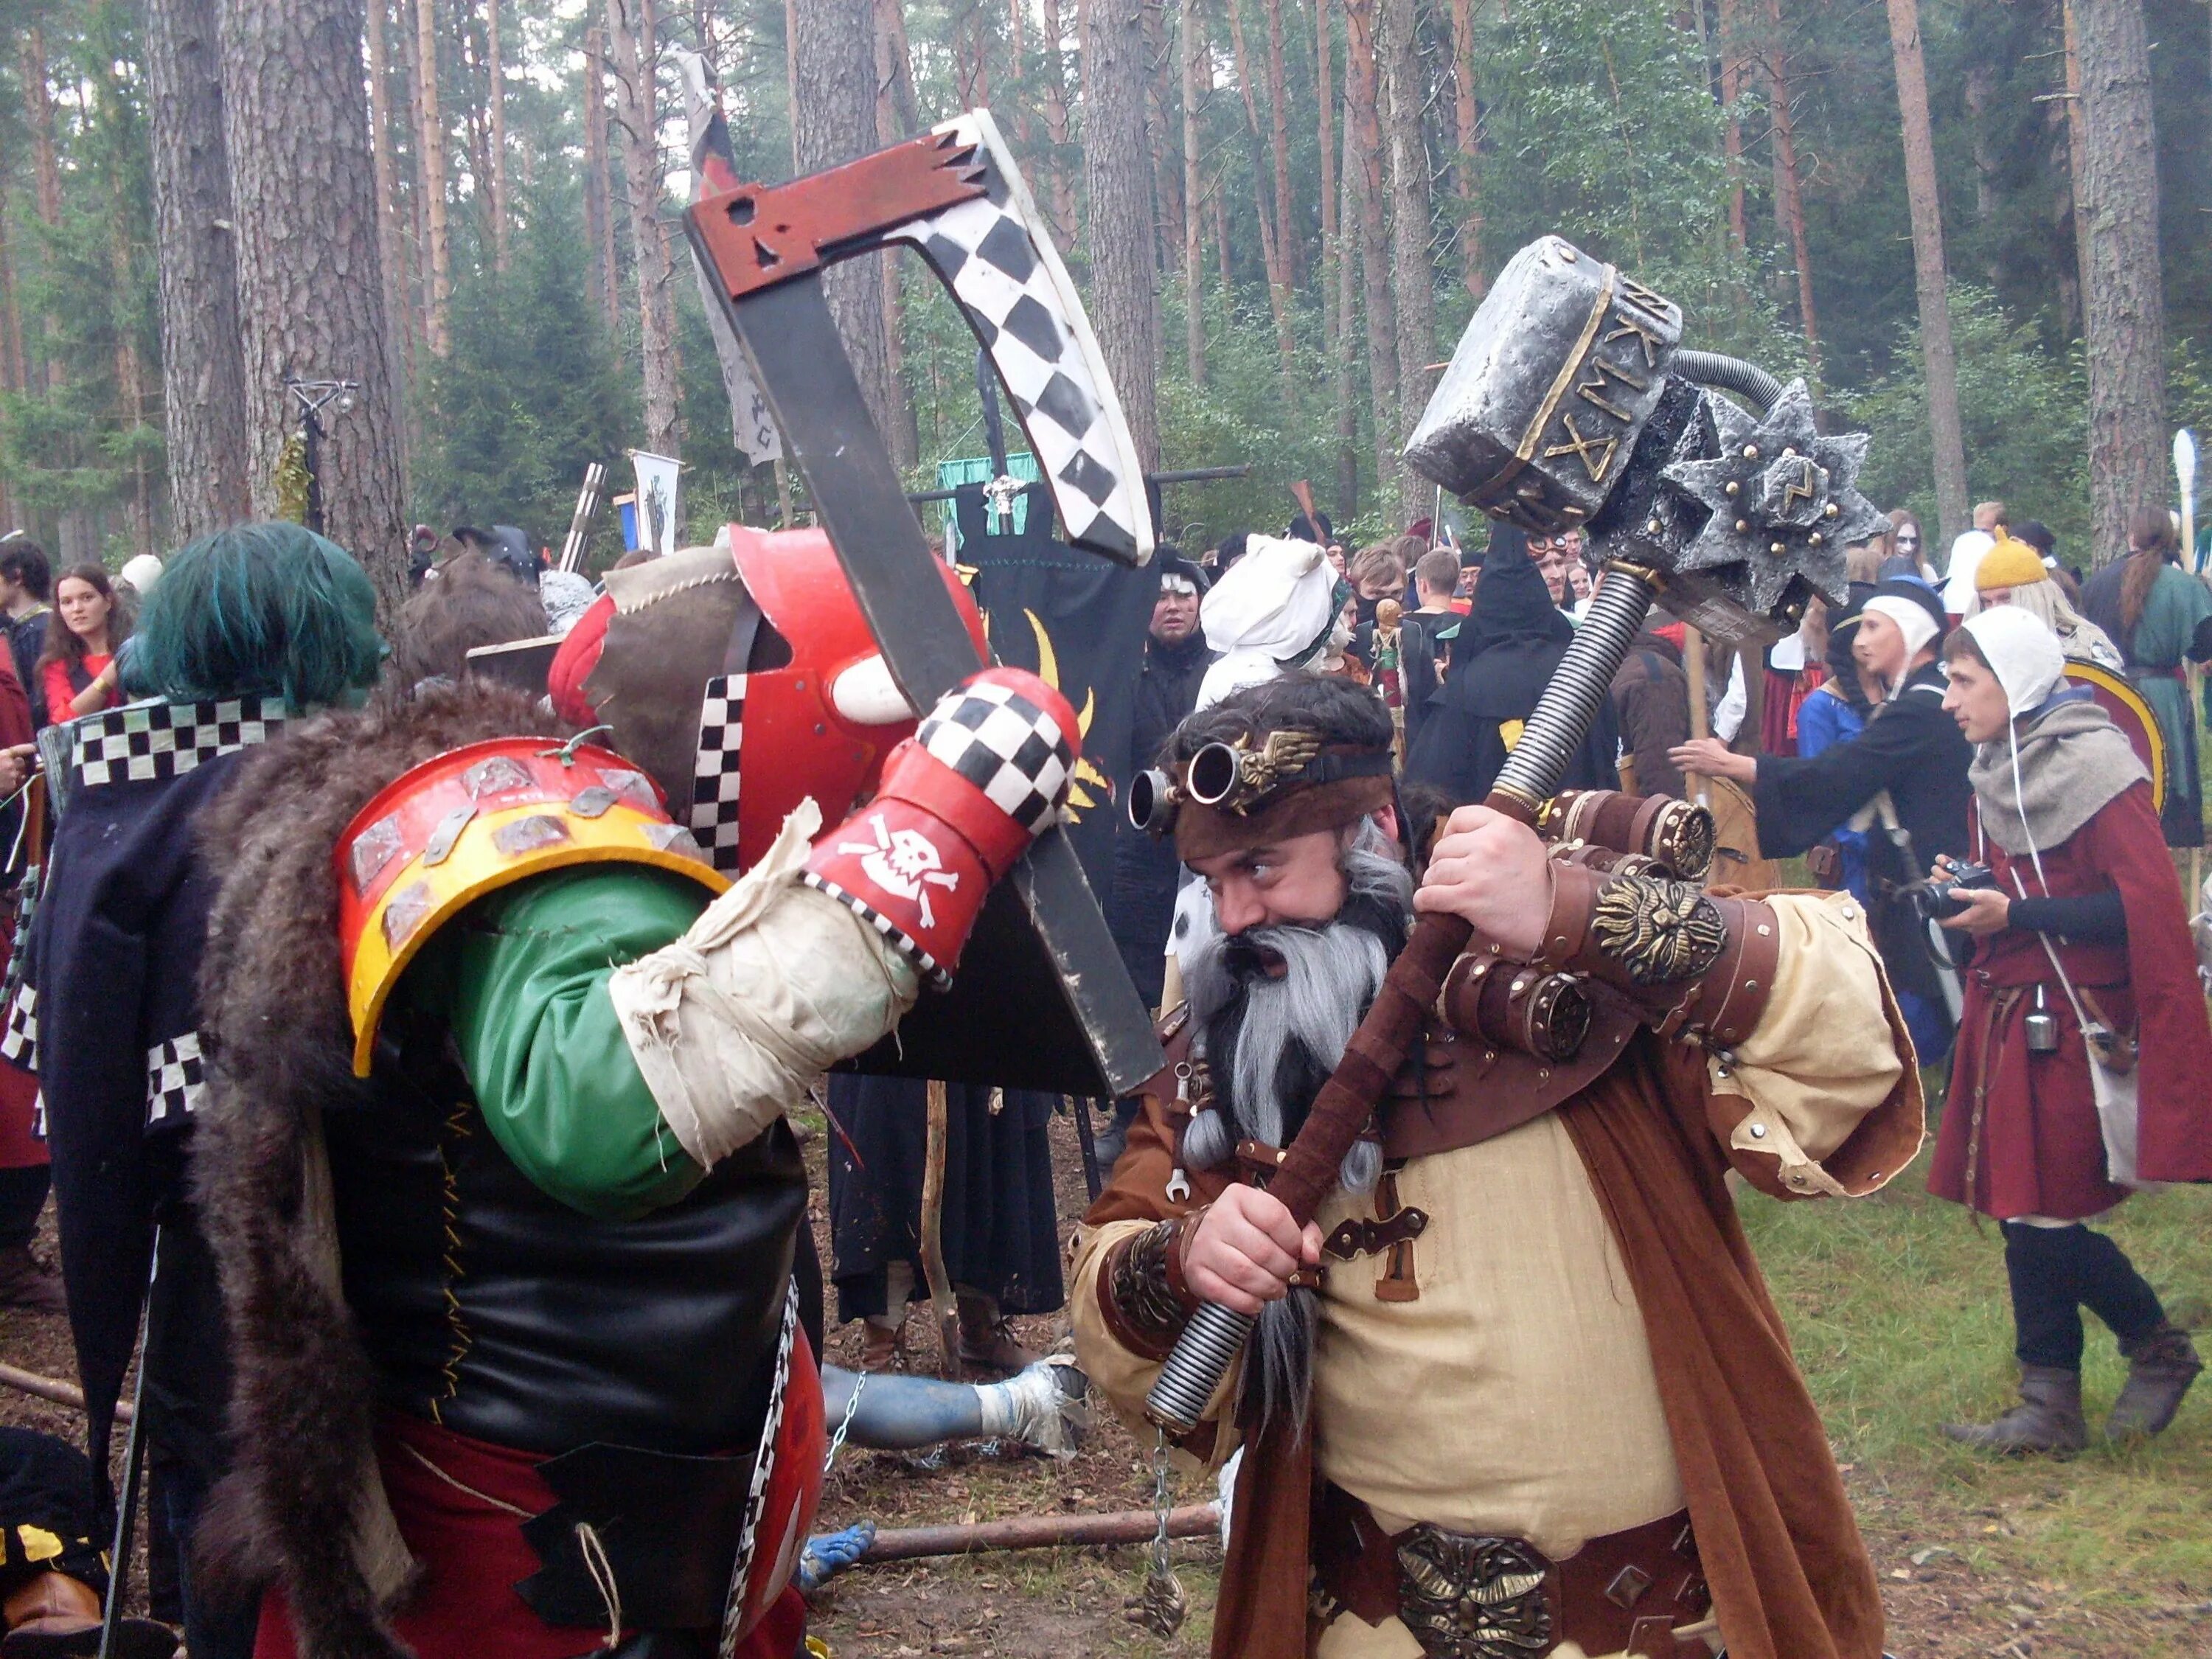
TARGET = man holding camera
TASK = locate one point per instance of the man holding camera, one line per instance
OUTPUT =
(2084, 1044)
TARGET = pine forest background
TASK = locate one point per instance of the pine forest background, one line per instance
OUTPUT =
(1282, 212)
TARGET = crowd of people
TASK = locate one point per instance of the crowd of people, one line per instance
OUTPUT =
(581, 1063)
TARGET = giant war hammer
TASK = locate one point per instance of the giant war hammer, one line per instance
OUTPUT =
(1568, 404)
(955, 195)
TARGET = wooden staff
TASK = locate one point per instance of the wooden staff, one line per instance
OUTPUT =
(941, 1298)
(1037, 1532)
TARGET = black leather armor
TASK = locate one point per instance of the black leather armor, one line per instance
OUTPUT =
(501, 1314)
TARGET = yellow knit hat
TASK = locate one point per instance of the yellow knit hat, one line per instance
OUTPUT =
(2009, 563)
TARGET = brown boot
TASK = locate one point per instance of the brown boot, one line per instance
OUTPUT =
(25, 1283)
(986, 1340)
(2161, 1368)
(56, 1617)
(2047, 1420)
(879, 1344)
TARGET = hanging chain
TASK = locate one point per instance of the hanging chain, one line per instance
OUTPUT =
(845, 1423)
(1161, 1607)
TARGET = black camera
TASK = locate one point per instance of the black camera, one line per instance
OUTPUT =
(1936, 901)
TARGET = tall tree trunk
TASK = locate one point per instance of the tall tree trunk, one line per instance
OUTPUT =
(629, 35)
(201, 370)
(1290, 243)
(496, 95)
(1193, 241)
(1163, 74)
(1789, 199)
(387, 206)
(2077, 210)
(1274, 255)
(476, 99)
(1467, 164)
(1343, 349)
(833, 60)
(1115, 167)
(1411, 229)
(1362, 158)
(2124, 339)
(1061, 189)
(897, 117)
(1731, 32)
(46, 178)
(1981, 89)
(129, 367)
(413, 281)
(1331, 221)
(1941, 359)
(430, 168)
(310, 297)
(599, 208)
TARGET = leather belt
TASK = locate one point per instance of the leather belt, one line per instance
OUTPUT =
(1470, 1596)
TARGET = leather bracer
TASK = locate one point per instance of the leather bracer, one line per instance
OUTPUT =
(1698, 967)
(1141, 1290)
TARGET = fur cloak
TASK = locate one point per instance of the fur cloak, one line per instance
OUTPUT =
(304, 1509)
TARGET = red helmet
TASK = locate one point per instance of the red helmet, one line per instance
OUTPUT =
(745, 680)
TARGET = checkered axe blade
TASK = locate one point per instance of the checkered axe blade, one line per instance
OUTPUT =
(996, 256)
(714, 169)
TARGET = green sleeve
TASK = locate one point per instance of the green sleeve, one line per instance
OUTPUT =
(524, 977)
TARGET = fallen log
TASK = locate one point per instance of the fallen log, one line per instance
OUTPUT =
(1038, 1532)
(53, 1388)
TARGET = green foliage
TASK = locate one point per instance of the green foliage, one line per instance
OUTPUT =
(2022, 410)
(531, 392)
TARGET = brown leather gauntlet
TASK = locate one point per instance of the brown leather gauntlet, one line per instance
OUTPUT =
(1141, 1291)
(1698, 967)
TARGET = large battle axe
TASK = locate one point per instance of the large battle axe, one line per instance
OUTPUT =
(956, 196)
(1569, 406)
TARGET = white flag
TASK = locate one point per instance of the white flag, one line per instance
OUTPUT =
(658, 521)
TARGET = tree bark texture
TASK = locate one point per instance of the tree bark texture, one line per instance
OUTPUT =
(630, 24)
(1193, 242)
(1344, 345)
(1412, 228)
(2076, 220)
(430, 162)
(1060, 191)
(1362, 158)
(1939, 357)
(495, 97)
(2124, 293)
(833, 64)
(1325, 117)
(1467, 164)
(1290, 244)
(897, 117)
(598, 206)
(1788, 198)
(1116, 166)
(46, 173)
(1162, 76)
(1274, 256)
(387, 199)
(202, 368)
(310, 292)
(1731, 31)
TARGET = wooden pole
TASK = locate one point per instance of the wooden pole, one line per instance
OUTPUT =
(941, 1298)
(1036, 1532)
(66, 1393)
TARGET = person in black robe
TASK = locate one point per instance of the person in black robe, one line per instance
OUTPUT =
(1506, 653)
(249, 629)
(1912, 759)
(1146, 871)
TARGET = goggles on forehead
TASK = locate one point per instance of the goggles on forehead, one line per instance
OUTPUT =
(1246, 776)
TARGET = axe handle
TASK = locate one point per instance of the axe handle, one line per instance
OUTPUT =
(1308, 1172)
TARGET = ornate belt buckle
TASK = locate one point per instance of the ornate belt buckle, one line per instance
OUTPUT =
(1468, 1597)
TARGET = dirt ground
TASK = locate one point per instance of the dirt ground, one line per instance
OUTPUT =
(1951, 1590)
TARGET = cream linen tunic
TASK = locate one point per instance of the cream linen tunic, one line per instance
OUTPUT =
(1515, 1396)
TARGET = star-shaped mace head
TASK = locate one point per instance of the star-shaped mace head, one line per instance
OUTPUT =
(1781, 505)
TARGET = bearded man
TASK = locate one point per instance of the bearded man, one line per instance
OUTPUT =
(1519, 1390)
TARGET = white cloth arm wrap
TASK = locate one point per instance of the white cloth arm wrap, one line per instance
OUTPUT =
(773, 984)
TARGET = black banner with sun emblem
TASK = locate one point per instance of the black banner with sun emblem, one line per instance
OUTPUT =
(1078, 622)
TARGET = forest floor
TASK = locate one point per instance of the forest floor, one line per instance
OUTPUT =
(1897, 1307)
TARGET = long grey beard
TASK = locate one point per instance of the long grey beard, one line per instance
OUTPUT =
(1284, 1035)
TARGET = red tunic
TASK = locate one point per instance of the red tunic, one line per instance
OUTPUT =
(2041, 1150)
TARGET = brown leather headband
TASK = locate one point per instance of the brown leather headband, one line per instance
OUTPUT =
(1204, 832)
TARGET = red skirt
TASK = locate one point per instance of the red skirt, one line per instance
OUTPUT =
(460, 1504)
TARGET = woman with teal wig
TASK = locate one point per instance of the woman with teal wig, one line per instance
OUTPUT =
(249, 630)
(260, 609)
